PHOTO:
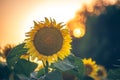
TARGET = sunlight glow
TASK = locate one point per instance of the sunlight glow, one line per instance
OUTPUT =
(60, 11)
(77, 32)
(76, 28)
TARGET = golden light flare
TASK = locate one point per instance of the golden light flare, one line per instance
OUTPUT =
(77, 29)
(110, 2)
(77, 32)
(97, 6)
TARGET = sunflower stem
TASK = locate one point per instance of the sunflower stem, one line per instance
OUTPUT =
(46, 67)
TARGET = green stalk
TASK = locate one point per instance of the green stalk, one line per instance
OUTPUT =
(46, 67)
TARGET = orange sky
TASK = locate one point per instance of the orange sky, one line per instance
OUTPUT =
(12, 15)
(16, 16)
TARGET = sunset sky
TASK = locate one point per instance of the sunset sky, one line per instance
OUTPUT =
(17, 16)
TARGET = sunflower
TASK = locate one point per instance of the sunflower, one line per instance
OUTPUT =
(90, 67)
(101, 73)
(48, 41)
(5, 51)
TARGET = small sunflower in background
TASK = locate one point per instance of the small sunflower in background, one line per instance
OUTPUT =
(101, 73)
(48, 41)
(90, 67)
(5, 51)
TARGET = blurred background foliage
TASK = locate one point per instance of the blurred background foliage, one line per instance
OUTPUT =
(102, 38)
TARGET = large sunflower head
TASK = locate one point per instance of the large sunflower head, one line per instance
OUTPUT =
(90, 67)
(48, 41)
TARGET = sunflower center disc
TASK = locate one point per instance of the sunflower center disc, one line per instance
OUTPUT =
(89, 69)
(100, 73)
(48, 40)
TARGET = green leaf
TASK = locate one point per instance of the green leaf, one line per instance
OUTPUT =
(4, 72)
(24, 67)
(114, 74)
(87, 78)
(64, 65)
(14, 55)
(41, 72)
(79, 67)
(72, 65)
(55, 75)
(67, 75)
